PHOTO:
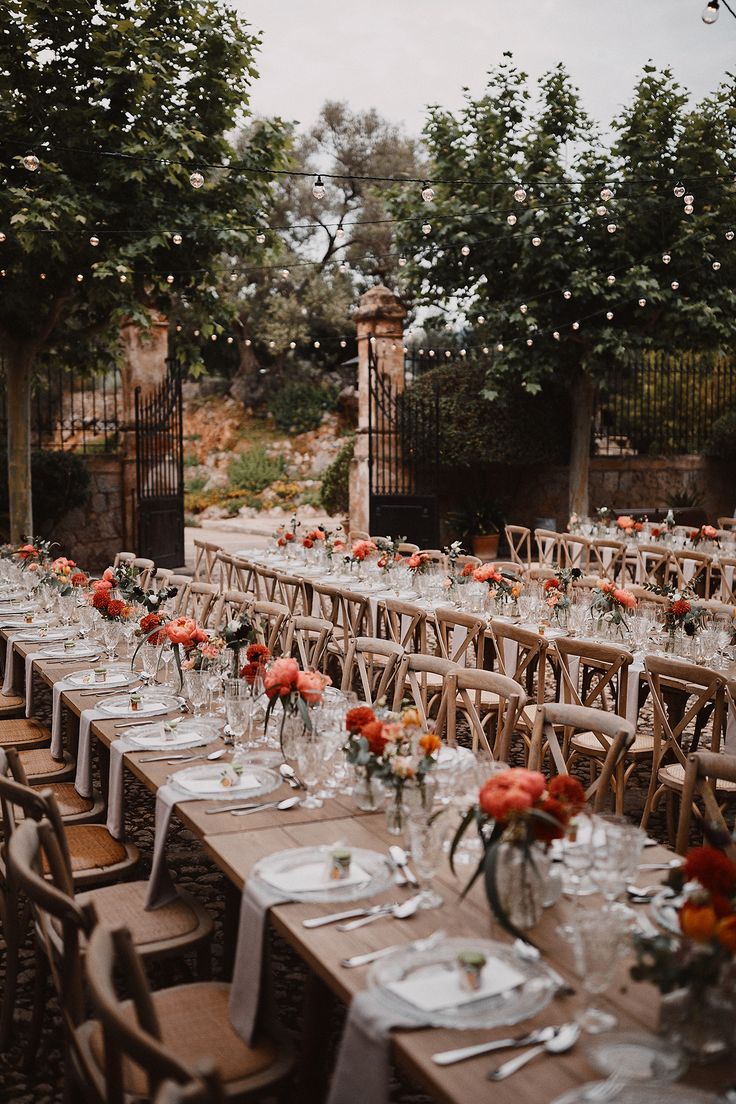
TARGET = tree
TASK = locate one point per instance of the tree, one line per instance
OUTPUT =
(545, 268)
(120, 102)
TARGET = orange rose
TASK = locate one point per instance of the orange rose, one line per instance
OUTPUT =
(182, 631)
(726, 933)
(430, 743)
(311, 684)
(374, 734)
(280, 678)
(698, 920)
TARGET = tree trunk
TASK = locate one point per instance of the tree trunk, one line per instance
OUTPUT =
(583, 395)
(18, 368)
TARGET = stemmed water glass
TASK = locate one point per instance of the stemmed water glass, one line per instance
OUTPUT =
(111, 632)
(239, 711)
(426, 836)
(149, 654)
(196, 689)
(617, 848)
(598, 944)
(310, 761)
(576, 853)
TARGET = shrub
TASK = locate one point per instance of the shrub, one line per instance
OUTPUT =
(255, 470)
(60, 482)
(515, 428)
(721, 444)
(298, 406)
(334, 495)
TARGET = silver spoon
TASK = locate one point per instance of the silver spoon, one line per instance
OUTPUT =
(186, 758)
(287, 772)
(404, 875)
(563, 1041)
(287, 803)
(400, 912)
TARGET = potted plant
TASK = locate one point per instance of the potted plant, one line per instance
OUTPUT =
(478, 522)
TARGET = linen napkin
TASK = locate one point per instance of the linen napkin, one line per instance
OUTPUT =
(161, 889)
(29, 661)
(9, 666)
(366, 1047)
(252, 966)
(115, 794)
(83, 779)
(57, 741)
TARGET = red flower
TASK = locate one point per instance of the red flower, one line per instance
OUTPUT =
(656, 533)
(281, 542)
(545, 831)
(373, 733)
(551, 584)
(680, 608)
(257, 653)
(27, 552)
(568, 791)
(115, 608)
(726, 933)
(289, 536)
(694, 534)
(79, 579)
(467, 570)
(356, 719)
(308, 542)
(714, 870)
(100, 599)
(250, 672)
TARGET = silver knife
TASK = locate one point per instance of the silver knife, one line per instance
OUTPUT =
(334, 917)
(373, 956)
(449, 1057)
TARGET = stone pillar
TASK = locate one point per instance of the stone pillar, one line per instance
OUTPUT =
(380, 321)
(144, 365)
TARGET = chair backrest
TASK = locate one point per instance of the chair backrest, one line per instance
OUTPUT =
(412, 681)
(270, 620)
(575, 551)
(519, 540)
(371, 667)
(291, 590)
(459, 636)
(265, 583)
(463, 560)
(16, 794)
(727, 522)
(404, 623)
(199, 602)
(162, 577)
(357, 535)
(137, 1038)
(607, 558)
(653, 564)
(434, 555)
(230, 605)
(353, 617)
(615, 734)
(406, 548)
(703, 770)
(521, 654)
(723, 581)
(701, 694)
(307, 639)
(692, 569)
(590, 672)
(235, 572)
(146, 569)
(464, 690)
(646, 598)
(182, 584)
(206, 562)
(548, 547)
(510, 567)
(123, 558)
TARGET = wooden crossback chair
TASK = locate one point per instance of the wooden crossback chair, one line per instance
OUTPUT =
(406, 548)
(265, 583)
(548, 547)
(607, 558)
(371, 666)
(727, 522)
(463, 689)
(653, 564)
(615, 735)
(402, 622)
(123, 557)
(235, 572)
(521, 654)
(292, 591)
(575, 551)
(691, 569)
(200, 602)
(232, 604)
(182, 584)
(206, 562)
(307, 639)
(270, 620)
(707, 774)
(460, 636)
(519, 540)
(723, 579)
(412, 684)
(683, 695)
(146, 569)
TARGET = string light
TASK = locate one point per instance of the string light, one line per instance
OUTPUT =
(402, 262)
(688, 208)
(123, 278)
(340, 232)
(642, 302)
(520, 195)
(716, 266)
(318, 188)
(666, 258)
(556, 335)
(426, 228)
(611, 279)
(612, 228)
(42, 276)
(523, 308)
(601, 210)
(196, 179)
(31, 162)
(689, 199)
(711, 12)
(230, 341)
(567, 294)
(576, 325)
(499, 347)
(465, 250)
(674, 285)
(530, 342)
(729, 235)
(94, 240)
(679, 191)
(606, 194)
(177, 239)
(427, 192)
(609, 315)
(511, 220)
(536, 241)
(169, 279)
(80, 277)
(292, 344)
(260, 237)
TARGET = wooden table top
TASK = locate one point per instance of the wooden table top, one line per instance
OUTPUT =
(235, 844)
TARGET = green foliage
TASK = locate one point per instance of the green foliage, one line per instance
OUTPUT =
(334, 496)
(298, 405)
(513, 428)
(255, 470)
(721, 444)
(195, 484)
(60, 481)
(478, 515)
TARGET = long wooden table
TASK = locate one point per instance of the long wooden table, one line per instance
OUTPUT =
(235, 844)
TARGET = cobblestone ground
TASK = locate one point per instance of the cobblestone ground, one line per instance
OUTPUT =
(194, 872)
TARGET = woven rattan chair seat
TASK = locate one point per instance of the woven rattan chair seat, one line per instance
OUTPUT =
(69, 801)
(123, 903)
(9, 703)
(18, 732)
(40, 761)
(588, 741)
(92, 847)
(674, 775)
(195, 1027)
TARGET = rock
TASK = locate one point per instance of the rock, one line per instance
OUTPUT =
(214, 512)
(216, 479)
(210, 386)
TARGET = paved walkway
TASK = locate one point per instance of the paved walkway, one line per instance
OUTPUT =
(236, 533)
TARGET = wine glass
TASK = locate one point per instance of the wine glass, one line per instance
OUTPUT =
(239, 712)
(309, 761)
(426, 836)
(149, 654)
(111, 633)
(599, 938)
(617, 848)
(195, 687)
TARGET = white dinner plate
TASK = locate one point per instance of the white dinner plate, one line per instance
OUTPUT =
(32, 636)
(115, 677)
(147, 707)
(79, 651)
(302, 874)
(205, 781)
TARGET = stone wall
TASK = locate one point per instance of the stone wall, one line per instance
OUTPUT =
(93, 533)
(622, 483)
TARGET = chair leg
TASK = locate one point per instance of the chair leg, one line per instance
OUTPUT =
(12, 929)
(39, 1009)
(670, 809)
(204, 961)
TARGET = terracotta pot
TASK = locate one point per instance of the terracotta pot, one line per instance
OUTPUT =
(486, 547)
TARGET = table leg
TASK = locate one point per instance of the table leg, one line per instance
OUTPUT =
(314, 1067)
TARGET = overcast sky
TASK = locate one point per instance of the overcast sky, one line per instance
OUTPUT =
(400, 55)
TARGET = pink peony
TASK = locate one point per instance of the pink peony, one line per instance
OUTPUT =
(280, 678)
(311, 684)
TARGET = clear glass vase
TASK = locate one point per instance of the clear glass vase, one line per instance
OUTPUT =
(292, 730)
(520, 883)
(701, 1020)
(395, 812)
(369, 794)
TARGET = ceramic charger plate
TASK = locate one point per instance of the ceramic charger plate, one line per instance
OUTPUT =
(302, 874)
(115, 677)
(147, 707)
(207, 781)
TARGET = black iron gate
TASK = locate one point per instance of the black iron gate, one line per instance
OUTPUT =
(403, 452)
(160, 471)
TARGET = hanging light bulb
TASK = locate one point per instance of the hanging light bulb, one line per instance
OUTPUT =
(80, 277)
(343, 266)
(666, 258)
(485, 350)
(511, 220)
(688, 199)
(284, 274)
(177, 239)
(576, 325)
(606, 194)
(729, 235)
(612, 228)
(481, 319)
(611, 279)
(499, 347)
(530, 341)
(601, 209)
(431, 352)
(343, 344)
(679, 190)
(42, 276)
(463, 352)
(213, 337)
(711, 12)
(94, 240)
(520, 195)
(316, 344)
(448, 353)
(318, 188)
(716, 266)
(536, 241)
(196, 179)
(169, 279)
(523, 308)
(248, 342)
(674, 285)
(230, 341)
(340, 232)
(123, 278)
(567, 294)
(556, 335)
(233, 277)
(465, 251)
(31, 162)
(426, 228)
(642, 302)
(609, 315)
(292, 344)
(427, 192)
(196, 333)
(688, 208)
(402, 262)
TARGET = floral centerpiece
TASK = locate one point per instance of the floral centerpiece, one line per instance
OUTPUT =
(630, 526)
(296, 690)
(109, 608)
(704, 533)
(256, 658)
(285, 535)
(388, 554)
(697, 964)
(557, 594)
(361, 551)
(682, 612)
(236, 634)
(419, 562)
(610, 604)
(397, 750)
(503, 587)
(517, 816)
(604, 516)
(452, 551)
